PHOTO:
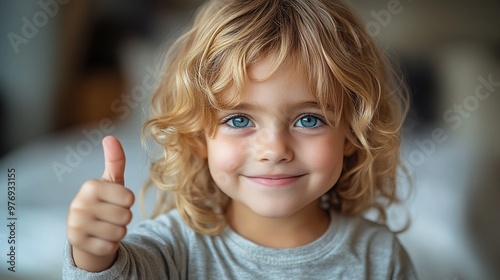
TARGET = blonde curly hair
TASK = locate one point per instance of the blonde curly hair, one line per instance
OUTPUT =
(346, 72)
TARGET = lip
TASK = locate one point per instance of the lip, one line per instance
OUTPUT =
(275, 180)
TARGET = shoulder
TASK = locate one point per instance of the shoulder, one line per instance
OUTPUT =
(376, 244)
(358, 230)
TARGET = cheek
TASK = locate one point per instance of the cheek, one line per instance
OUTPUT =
(225, 158)
(327, 155)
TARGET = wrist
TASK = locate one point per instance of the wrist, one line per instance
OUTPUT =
(91, 262)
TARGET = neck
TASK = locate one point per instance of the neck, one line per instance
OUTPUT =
(296, 230)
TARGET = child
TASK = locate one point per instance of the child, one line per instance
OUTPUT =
(280, 128)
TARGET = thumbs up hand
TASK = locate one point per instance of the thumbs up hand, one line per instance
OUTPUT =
(100, 212)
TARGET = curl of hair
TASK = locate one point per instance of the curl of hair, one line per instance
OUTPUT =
(346, 74)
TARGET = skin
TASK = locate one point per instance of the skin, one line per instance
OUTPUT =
(100, 212)
(273, 168)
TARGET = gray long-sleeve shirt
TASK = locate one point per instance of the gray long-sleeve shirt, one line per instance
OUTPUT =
(166, 248)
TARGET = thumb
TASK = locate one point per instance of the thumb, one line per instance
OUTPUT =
(114, 160)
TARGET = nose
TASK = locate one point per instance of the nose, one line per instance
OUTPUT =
(273, 145)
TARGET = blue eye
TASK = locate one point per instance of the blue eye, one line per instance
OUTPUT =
(239, 122)
(309, 121)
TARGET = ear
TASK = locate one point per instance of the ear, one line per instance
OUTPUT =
(349, 148)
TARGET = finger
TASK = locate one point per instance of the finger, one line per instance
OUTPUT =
(93, 245)
(107, 231)
(82, 227)
(112, 214)
(114, 160)
(93, 191)
(116, 194)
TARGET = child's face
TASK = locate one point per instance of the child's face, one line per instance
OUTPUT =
(274, 154)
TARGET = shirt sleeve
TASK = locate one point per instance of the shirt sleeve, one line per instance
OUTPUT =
(133, 262)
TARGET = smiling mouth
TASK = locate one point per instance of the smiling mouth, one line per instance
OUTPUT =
(275, 180)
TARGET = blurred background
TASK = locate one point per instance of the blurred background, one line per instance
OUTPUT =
(74, 71)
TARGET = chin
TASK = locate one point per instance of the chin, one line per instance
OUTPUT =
(275, 211)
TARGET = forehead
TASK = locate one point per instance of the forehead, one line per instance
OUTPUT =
(271, 67)
(267, 82)
(267, 75)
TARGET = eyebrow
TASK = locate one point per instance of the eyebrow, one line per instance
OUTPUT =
(286, 108)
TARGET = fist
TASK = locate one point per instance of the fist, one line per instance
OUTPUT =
(100, 212)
